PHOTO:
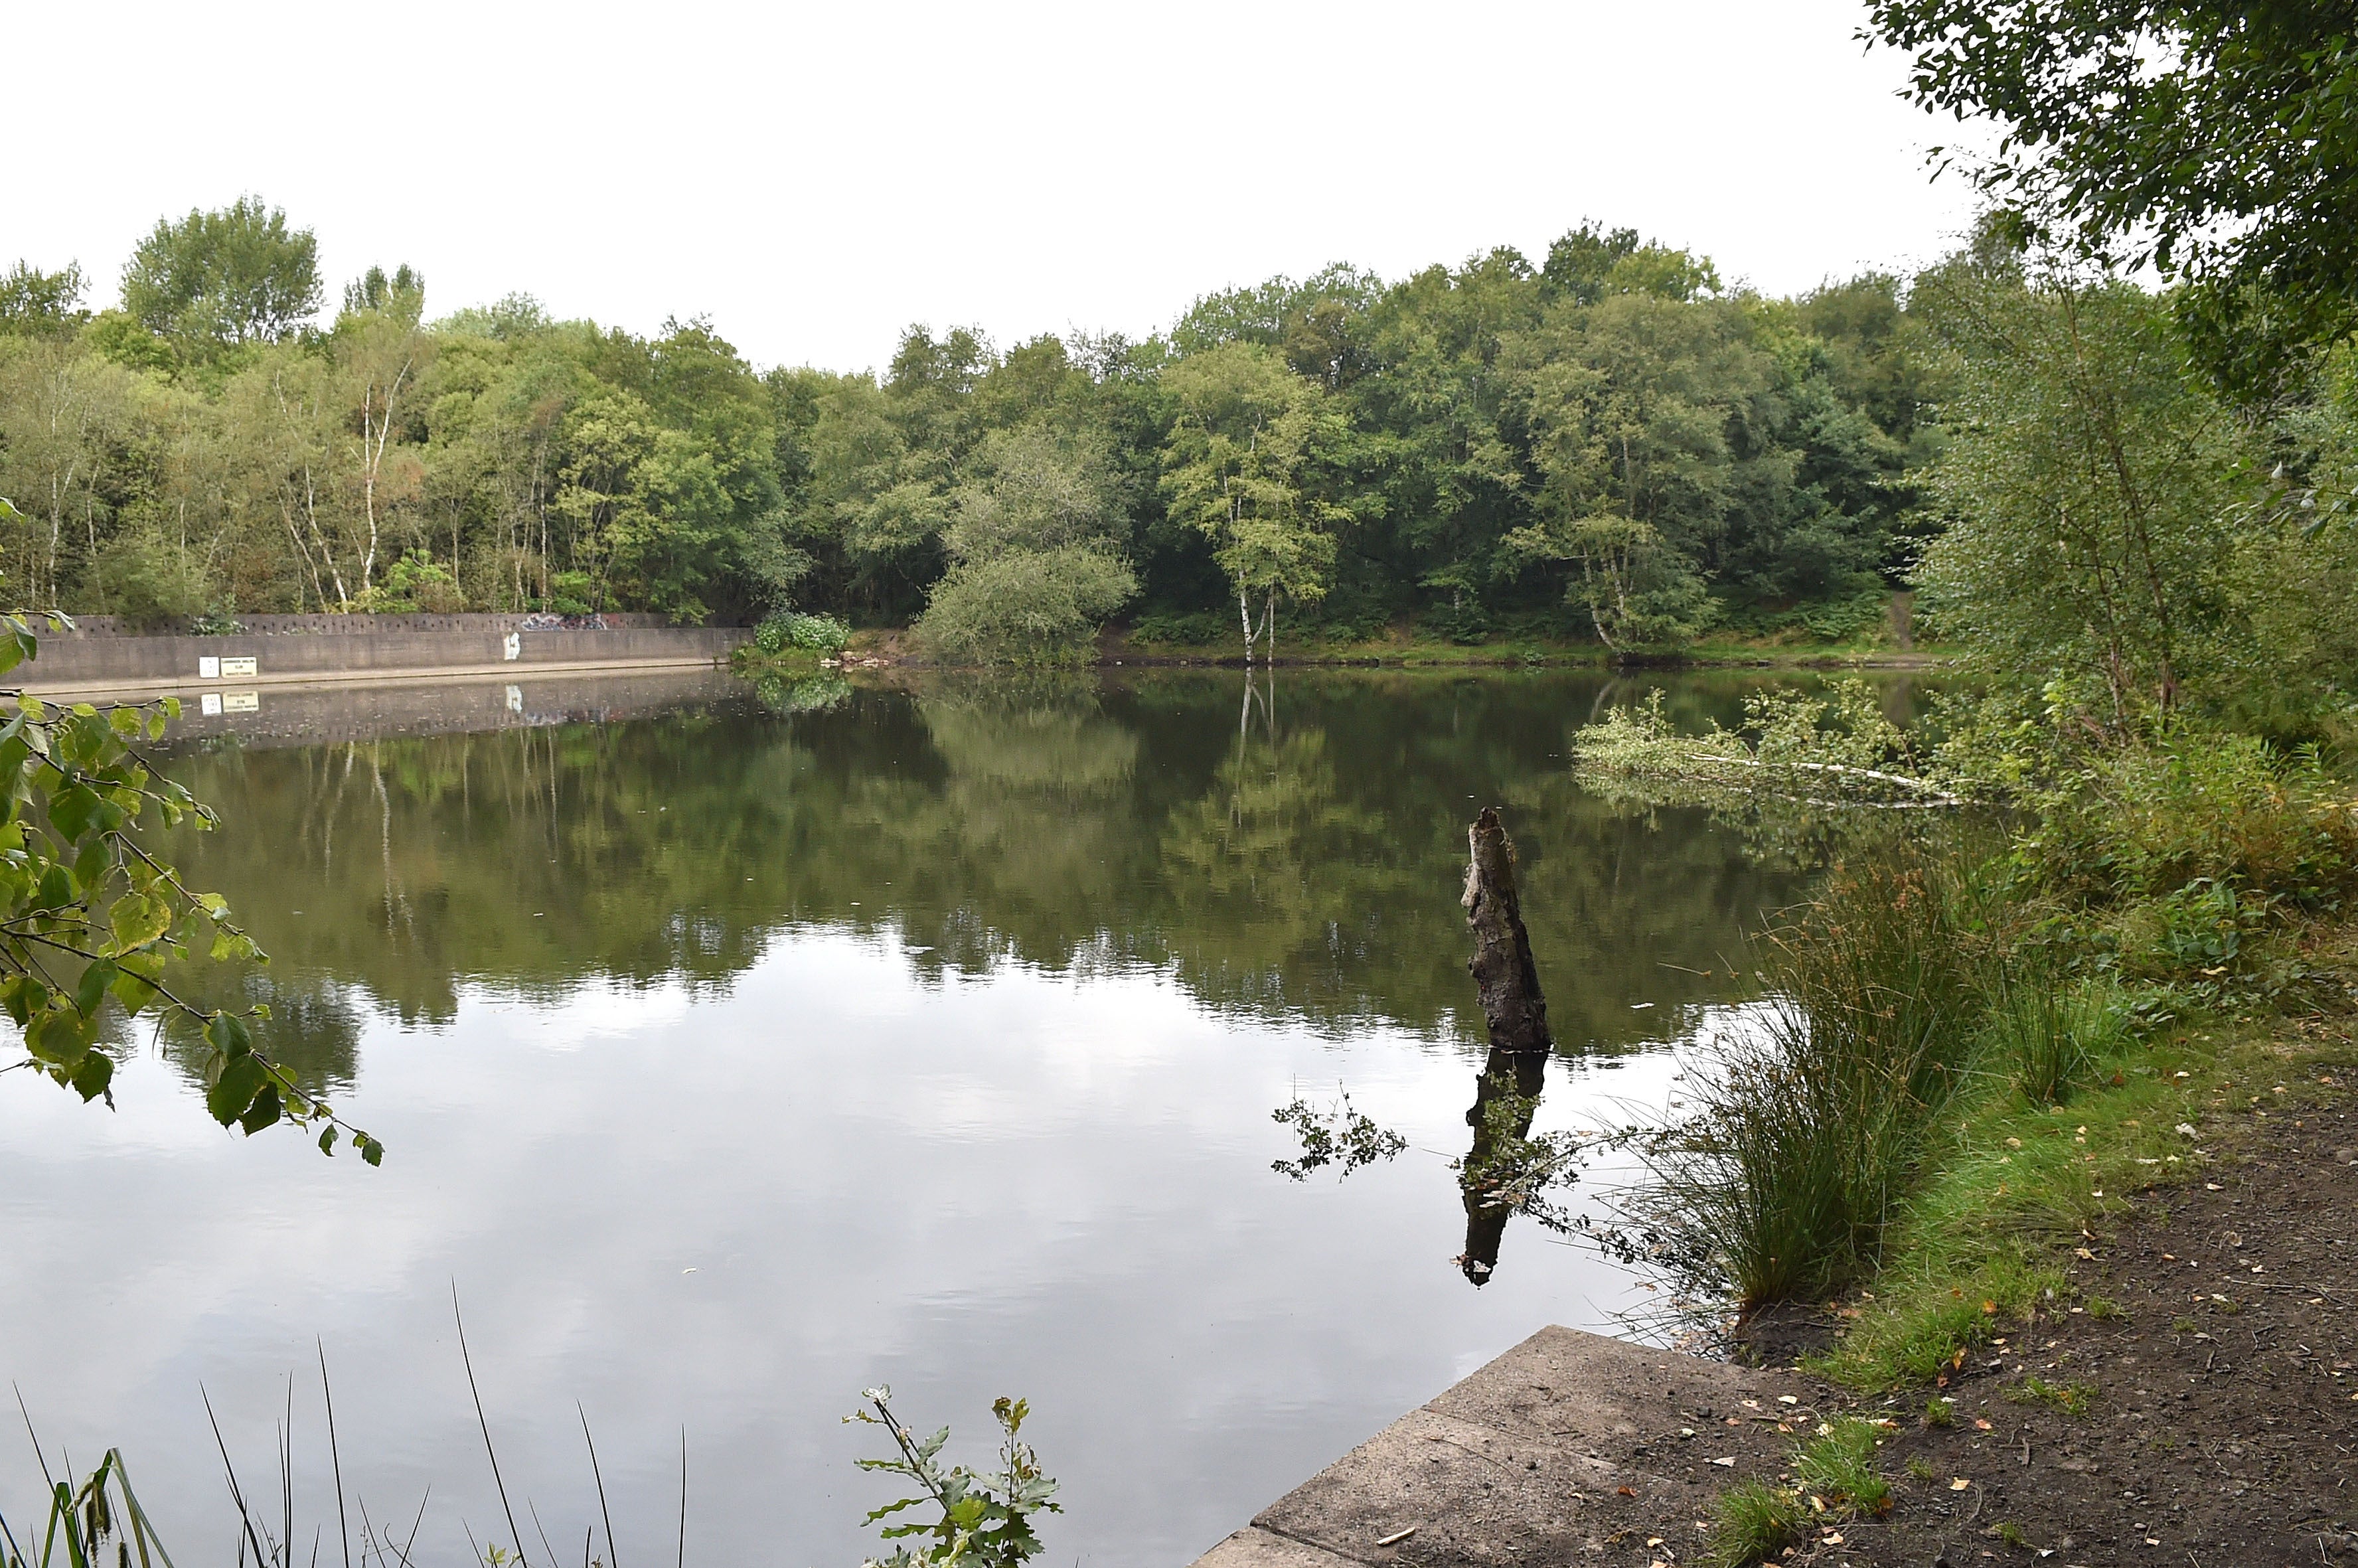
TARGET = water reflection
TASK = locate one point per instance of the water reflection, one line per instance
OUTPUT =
(1506, 1100)
(1299, 867)
(738, 1055)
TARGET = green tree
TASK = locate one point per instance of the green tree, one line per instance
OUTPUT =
(213, 282)
(1036, 565)
(2219, 141)
(1245, 464)
(403, 291)
(69, 420)
(1629, 405)
(36, 301)
(2087, 484)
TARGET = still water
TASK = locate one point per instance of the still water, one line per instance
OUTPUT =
(736, 1051)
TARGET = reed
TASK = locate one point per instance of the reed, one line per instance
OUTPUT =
(2045, 1034)
(1811, 1125)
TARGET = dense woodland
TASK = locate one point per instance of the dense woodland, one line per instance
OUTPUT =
(2141, 491)
(1604, 441)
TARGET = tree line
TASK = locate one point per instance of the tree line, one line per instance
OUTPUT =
(1607, 442)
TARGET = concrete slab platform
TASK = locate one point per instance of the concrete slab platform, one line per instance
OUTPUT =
(1254, 1547)
(1566, 1446)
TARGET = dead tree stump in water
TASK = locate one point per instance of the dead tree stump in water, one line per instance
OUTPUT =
(1505, 979)
(1507, 983)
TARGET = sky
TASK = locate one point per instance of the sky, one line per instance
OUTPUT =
(814, 178)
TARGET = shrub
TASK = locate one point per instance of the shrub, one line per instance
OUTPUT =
(792, 629)
(150, 583)
(1025, 606)
(414, 582)
(1463, 622)
(1185, 628)
(2149, 817)
(984, 1516)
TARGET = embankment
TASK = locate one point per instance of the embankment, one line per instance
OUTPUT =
(96, 661)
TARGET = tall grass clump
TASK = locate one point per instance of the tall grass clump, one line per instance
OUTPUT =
(2045, 1034)
(1810, 1124)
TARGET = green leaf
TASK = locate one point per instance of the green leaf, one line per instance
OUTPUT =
(90, 990)
(123, 722)
(23, 996)
(60, 1035)
(55, 890)
(70, 811)
(138, 920)
(371, 1150)
(241, 1080)
(93, 1074)
(133, 991)
(327, 1140)
(229, 1035)
(263, 1112)
(91, 864)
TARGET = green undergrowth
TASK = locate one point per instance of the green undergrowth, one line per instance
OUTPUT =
(2010, 1190)
(1204, 637)
(1966, 1059)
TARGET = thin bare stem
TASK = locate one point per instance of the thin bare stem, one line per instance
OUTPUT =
(501, 1481)
(612, 1561)
(343, 1527)
(236, 1493)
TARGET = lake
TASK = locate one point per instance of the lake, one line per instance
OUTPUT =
(738, 1048)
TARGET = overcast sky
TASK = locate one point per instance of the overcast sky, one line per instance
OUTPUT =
(814, 178)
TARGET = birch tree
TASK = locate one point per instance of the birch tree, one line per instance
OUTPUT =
(1244, 465)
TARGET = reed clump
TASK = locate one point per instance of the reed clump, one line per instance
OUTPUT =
(1811, 1125)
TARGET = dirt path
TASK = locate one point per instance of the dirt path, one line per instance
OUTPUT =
(2211, 1368)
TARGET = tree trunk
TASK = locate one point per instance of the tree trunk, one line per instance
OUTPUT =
(1505, 977)
(1508, 982)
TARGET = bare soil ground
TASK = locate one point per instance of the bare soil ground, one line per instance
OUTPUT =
(2197, 1403)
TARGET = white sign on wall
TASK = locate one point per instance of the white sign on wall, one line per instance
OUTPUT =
(208, 668)
(244, 666)
(514, 645)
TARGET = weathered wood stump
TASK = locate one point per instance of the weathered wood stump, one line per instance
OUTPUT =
(1507, 981)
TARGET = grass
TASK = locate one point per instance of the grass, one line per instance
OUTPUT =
(1834, 1478)
(2008, 1188)
(1837, 1467)
(1752, 1522)
(1951, 1092)
(2047, 1033)
(1808, 1136)
(2070, 1399)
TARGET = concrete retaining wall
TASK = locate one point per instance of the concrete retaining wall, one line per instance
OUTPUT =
(352, 625)
(112, 663)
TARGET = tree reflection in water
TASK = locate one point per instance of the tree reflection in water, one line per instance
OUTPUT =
(1292, 863)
